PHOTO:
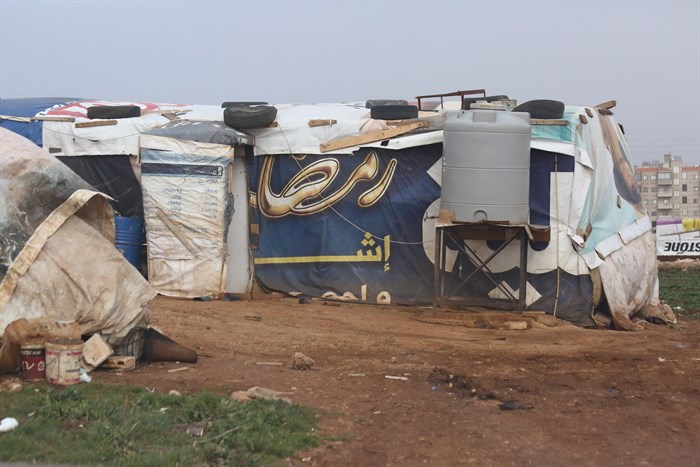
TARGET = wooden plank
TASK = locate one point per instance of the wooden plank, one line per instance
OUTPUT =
(96, 123)
(549, 121)
(15, 119)
(53, 119)
(372, 137)
(607, 105)
(119, 362)
(316, 122)
(37, 119)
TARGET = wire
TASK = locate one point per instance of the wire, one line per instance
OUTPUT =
(330, 206)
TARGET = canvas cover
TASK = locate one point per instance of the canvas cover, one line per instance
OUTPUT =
(187, 207)
(57, 254)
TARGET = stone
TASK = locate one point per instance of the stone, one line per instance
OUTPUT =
(515, 325)
(301, 362)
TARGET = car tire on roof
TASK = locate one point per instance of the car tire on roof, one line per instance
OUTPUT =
(394, 112)
(234, 103)
(542, 108)
(249, 116)
(374, 102)
(113, 111)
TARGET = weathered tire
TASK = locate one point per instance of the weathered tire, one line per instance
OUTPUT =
(468, 101)
(249, 116)
(542, 108)
(112, 112)
(394, 112)
(374, 102)
(231, 104)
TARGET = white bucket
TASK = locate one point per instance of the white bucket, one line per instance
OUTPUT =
(63, 358)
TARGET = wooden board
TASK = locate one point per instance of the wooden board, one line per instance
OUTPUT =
(549, 121)
(119, 362)
(317, 122)
(53, 119)
(371, 137)
(96, 123)
(607, 105)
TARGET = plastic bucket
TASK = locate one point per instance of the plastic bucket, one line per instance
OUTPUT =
(63, 357)
(128, 238)
(33, 359)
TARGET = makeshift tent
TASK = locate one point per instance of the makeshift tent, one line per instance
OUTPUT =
(360, 225)
(105, 153)
(357, 223)
(186, 172)
(57, 248)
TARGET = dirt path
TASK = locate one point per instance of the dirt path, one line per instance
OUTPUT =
(596, 397)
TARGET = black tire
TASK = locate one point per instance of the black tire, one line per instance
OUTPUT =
(113, 111)
(233, 104)
(374, 102)
(542, 108)
(249, 116)
(394, 112)
(468, 101)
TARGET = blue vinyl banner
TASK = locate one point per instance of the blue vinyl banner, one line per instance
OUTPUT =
(344, 227)
(28, 107)
(355, 228)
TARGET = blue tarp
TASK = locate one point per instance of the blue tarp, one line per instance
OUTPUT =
(377, 253)
(28, 107)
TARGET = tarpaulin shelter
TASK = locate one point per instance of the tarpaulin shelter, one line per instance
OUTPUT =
(57, 255)
(106, 152)
(357, 222)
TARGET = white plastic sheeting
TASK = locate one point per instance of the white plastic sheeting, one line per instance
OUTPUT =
(68, 269)
(186, 210)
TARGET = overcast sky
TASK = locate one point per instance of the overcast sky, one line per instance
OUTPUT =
(645, 55)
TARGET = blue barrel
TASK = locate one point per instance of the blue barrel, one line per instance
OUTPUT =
(128, 238)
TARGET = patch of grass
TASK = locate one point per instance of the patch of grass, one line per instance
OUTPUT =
(115, 424)
(679, 288)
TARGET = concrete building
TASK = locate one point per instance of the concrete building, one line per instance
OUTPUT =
(669, 188)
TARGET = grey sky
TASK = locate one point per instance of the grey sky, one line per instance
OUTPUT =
(646, 55)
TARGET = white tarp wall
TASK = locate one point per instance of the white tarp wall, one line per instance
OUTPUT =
(186, 200)
(68, 269)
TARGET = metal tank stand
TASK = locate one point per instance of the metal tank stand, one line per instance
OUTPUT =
(460, 232)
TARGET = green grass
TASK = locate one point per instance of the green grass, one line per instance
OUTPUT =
(123, 425)
(681, 291)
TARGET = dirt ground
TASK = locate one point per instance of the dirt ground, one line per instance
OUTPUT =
(581, 397)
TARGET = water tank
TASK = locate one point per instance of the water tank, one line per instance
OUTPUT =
(486, 166)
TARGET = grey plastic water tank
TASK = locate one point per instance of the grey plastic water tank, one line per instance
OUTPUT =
(486, 166)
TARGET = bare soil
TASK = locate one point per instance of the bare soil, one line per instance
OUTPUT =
(572, 396)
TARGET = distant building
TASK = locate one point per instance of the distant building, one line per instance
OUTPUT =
(669, 189)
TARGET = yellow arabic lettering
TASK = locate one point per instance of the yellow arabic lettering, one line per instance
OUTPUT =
(309, 184)
(374, 194)
(373, 254)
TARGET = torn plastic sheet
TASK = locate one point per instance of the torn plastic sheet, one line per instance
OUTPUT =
(60, 261)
